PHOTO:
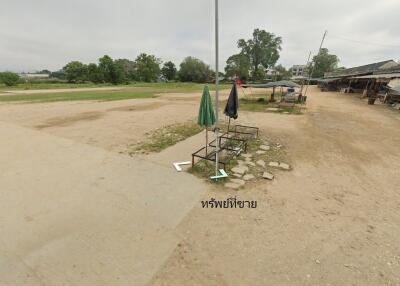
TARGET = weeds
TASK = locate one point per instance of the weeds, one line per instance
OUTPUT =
(165, 137)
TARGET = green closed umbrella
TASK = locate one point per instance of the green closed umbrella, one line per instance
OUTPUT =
(206, 112)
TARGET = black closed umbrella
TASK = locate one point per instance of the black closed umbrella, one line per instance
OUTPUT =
(232, 106)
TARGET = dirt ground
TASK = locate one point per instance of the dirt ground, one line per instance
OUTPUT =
(333, 220)
(112, 125)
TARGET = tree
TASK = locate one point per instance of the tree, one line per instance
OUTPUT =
(129, 68)
(58, 74)
(262, 50)
(44, 72)
(258, 75)
(147, 68)
(323, 62)
(111, 72)
(194, 70)
(169, 71)
(9, 78)
(94, 74)
(75, 71)
(119, 76)
(238, 66)
(282, 72)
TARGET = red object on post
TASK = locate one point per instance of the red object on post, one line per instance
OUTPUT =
(238, 82)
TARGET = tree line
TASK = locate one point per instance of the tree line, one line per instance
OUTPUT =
(145, 68)
(256, 56)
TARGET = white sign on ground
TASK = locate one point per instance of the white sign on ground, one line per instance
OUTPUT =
(222, 175)
(178, 165)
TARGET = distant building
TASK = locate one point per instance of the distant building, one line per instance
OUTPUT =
(271, 72)
(299, 71)
(28, 76)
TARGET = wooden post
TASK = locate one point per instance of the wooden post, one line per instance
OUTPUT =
(273, 94)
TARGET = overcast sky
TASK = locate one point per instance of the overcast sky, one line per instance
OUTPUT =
(41, 34)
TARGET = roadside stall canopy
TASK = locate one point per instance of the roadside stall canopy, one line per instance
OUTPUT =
(379, 76)
(281, 83)
(329, 80)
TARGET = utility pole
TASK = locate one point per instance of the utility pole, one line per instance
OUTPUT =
(308, 62)
(313, 68)
(323, 40)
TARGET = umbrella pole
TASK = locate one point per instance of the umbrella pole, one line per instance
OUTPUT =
(206, 141)
(216, 86)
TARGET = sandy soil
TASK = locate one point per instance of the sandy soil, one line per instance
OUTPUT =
(333, 220)
(74, 214)
(110, 125)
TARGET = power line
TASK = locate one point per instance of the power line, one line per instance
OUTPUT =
(363, 42)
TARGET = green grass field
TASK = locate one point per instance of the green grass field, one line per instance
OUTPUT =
(76, 96)
(33, 86)
(179, 86)
(137, 90)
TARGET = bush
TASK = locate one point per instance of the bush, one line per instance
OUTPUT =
(262, 100)
(9, 78)
(194, 70)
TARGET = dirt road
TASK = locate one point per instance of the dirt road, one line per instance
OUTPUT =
(333, 220)
(73, 214)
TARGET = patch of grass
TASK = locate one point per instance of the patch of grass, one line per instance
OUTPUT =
(165, 137)
(263, 105)
(205, 169)
(254, 105)
(158, 86)
(75, 96)
(178, 86)
(137, 90)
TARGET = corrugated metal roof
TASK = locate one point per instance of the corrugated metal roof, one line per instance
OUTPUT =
(374, 76)
(283, 83)
(393, 69)
(362, 70)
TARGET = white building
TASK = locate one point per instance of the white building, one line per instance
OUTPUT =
(299, 71)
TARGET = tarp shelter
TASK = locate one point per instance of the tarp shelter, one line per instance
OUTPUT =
(281, 83)
(274, 84)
